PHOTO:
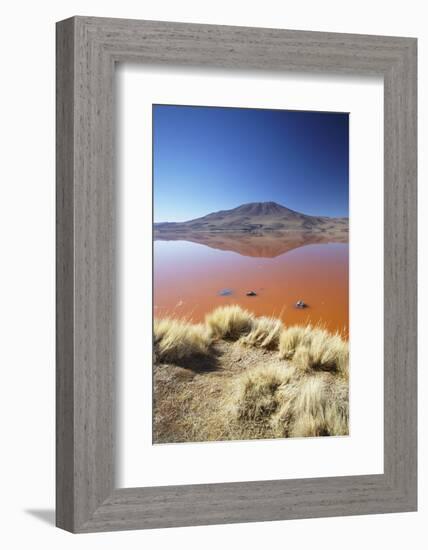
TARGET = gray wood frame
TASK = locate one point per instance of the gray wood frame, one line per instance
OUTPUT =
(87, 50)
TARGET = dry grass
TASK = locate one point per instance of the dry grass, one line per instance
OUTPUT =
(229, 322)
(268, 381)
(256, 396)
(175, 340)
(314, 349)
(264, 333)
(288, 403)
(323, 351)
(291, 338)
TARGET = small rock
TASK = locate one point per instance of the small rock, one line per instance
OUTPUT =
(225, 292)
(300, 304)
(251, 293)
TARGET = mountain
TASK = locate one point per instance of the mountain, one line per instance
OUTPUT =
(254, 217)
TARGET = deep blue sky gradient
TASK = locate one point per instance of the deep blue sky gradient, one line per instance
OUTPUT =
(214, 158)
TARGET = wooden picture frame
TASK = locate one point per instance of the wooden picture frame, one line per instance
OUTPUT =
(87, 50)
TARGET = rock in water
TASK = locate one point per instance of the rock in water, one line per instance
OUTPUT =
(225, 292)
(251, 293)
(300, 304)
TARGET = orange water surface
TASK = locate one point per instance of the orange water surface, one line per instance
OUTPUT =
(189, 278)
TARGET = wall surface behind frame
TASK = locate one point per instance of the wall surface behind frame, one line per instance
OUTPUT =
(27, 271)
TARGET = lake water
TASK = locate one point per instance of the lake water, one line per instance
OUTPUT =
(189, 278)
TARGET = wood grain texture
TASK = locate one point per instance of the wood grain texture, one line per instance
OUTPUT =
(64, 276)
(87, 50)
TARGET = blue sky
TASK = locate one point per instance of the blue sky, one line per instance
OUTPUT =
(214, 158)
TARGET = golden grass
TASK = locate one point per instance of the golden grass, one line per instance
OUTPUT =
(256, 394)
(269, 381)
(288, 403)
(291, 338)
(264, 333)
(229, 322)
(176, 340)
(314, 349)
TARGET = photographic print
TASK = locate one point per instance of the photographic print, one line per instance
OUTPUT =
(250, 274)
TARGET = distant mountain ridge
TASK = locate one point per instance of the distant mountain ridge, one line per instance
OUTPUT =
(254, 217)
(254, 209)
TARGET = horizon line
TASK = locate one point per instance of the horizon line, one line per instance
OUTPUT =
(250, 203)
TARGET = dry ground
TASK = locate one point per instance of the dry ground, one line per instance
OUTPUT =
(190, 401)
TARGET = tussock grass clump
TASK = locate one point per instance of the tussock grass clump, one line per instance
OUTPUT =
(319, 408)
(256, 396)
(314, 349)
(323, 351)
(291, 338)
(229, 322)
(176, 340)
(290, 403)
(264, 333)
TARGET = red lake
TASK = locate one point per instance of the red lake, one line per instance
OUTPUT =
(191, 279)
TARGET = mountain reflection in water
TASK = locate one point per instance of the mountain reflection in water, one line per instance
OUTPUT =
(261, 245)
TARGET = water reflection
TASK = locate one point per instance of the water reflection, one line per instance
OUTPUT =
(261, 245)
(190, 275)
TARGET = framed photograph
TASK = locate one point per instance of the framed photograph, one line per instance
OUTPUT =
(236, 274)
(251, 331)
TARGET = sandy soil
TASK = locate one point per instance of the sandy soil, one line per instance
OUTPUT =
(189, 402)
